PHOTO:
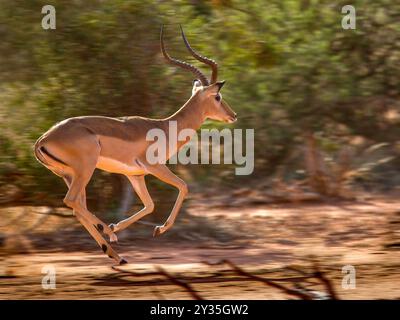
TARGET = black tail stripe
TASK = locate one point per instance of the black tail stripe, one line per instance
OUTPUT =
(43, 149)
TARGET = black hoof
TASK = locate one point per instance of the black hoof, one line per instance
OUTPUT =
(104, 248)
(156, 231)
(123, 261)
(112, 226)
(100, 227)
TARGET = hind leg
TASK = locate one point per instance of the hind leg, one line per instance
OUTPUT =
(77, 161)
(88, 225)
(77, 180)
(107, 249)
(90, 217)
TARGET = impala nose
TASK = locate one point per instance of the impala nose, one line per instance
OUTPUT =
(233, 118)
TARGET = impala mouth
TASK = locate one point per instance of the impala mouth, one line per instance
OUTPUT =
(231, 119)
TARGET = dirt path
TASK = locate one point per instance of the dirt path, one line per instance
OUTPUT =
(264, 240)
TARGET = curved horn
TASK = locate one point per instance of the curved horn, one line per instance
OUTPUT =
(210, 62)
(182, 64)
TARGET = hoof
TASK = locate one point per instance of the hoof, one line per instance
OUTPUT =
(157, 231)
(113, 238)
(123, 261)
(112, 226)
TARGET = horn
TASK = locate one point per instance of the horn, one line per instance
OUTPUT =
(180, 63)
(210, 62)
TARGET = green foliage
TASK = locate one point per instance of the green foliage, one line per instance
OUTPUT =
(290, 69)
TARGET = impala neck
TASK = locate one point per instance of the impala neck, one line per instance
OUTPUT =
(190, 116)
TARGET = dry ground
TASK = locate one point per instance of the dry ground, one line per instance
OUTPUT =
(263, 239)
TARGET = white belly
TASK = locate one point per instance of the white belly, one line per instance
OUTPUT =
(114, 166)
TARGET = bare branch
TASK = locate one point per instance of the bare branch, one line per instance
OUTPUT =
(195, 295)
(328, 284)
(289, 291)
(162, 272)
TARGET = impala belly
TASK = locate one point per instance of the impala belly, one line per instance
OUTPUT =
(115, 166)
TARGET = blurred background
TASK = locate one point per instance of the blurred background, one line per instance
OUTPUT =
(323, 101)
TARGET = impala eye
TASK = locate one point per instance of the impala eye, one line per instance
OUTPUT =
(218, 97)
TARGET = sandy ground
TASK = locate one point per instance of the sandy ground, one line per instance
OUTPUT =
(264, 240)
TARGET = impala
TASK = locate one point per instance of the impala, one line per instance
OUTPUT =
(75, 147)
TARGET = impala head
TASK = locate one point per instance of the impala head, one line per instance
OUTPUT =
(210, 99)
(207, 93)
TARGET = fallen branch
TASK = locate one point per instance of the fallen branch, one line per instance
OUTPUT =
(195, 295)
(171, 278)
(328, 284)
(216, 277)
(287, 290)
(298, 291)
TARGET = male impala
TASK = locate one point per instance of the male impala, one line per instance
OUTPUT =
(74, 148)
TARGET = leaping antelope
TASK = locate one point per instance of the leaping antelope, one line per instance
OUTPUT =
(75, 147)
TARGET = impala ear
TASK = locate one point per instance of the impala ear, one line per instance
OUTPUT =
(196, 86)
(215, 87)
(220, 84)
